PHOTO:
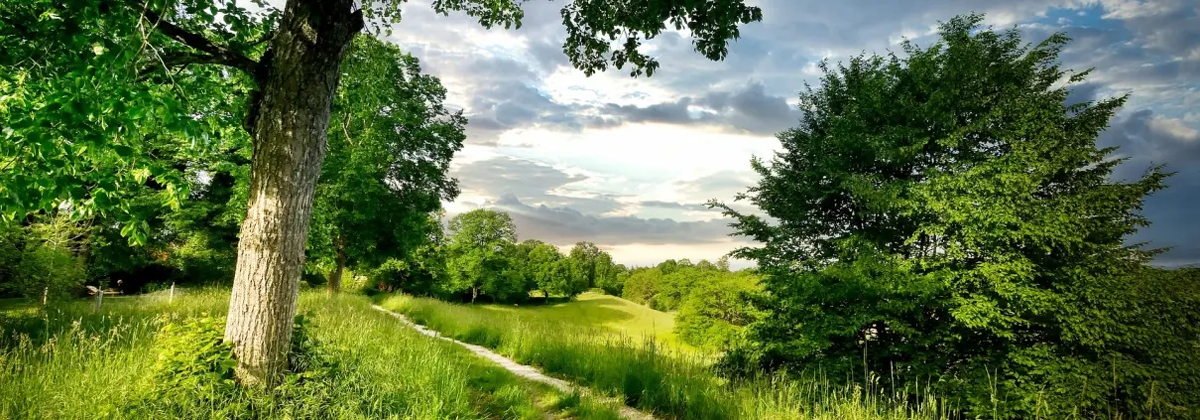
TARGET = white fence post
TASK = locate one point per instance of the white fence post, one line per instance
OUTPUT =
(171, 296)
(99, 297)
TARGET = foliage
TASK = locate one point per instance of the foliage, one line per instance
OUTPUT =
(948, 216)
(585, 257)
(549, 271)
(194, 359)
(715, 312)
(390, 146)
(83, 114)
(477, 256)
(609, 276)
(43, 258)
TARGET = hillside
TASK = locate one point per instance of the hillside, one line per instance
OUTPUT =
(599, 310)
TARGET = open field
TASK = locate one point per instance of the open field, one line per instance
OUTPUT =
(659, 379)
(601, 311)
(66, 362)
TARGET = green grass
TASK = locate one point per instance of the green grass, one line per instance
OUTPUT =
(601, 311)
(660, 379)
(66, 362)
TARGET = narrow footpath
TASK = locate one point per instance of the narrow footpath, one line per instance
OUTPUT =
(527, 372)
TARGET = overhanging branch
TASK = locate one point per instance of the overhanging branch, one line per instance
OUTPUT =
(216, 54)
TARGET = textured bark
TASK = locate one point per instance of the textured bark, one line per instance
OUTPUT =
(297, 85)
(335, 276)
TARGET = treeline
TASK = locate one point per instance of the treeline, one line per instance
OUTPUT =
(479, 258)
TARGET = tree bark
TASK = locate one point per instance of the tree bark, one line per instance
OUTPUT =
(335, 276)
(289, 127)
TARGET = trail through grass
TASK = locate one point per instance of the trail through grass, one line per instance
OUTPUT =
(663, 380)
(66, 362)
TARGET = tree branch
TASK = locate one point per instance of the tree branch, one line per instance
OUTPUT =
(179, 59)
(216, 54)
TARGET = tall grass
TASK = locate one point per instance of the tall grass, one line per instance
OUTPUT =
(65, 361)
(659, 379)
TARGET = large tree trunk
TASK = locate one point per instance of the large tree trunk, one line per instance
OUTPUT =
(289, 129)
(335, 276)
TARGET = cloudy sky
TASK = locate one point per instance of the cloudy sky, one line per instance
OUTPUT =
(627, 163)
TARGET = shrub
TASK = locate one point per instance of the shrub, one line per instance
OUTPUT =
(42, 258)
(715, 313)
(194, 360)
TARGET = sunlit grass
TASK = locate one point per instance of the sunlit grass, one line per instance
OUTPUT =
(661, 379)
(601, 311)
(64, 361)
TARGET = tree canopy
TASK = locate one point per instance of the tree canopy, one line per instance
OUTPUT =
(390, 147)
(946, 214)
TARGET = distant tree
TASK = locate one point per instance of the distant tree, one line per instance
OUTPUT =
(723, 263)
(43, 258)
(390, 147)
(420, 272)
(667, 267)
(946, 215)
(642, 285)
(542, 264)
(585, 256)
(477, 255)
(566, 280)
(609, 275)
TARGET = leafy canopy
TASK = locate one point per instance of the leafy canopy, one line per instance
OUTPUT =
(948, 215)
(390, 145)
(87, 87)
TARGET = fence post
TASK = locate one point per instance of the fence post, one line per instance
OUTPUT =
(99, 297)
(171, 296)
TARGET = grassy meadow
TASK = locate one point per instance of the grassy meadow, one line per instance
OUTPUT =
(602, 312)
(667, 380)
(64, 361)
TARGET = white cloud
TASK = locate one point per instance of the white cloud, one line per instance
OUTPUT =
(1175, 127)
(609, 154)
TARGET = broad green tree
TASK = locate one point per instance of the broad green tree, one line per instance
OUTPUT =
(608, 275)
(585, 256)
(479, 243)
(541, 263)
(390, 145)
(75, 79)
(947, 215)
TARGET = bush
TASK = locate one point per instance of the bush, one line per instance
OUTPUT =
(42, 258)
(715, 314)
(194, 360)
(194, 375)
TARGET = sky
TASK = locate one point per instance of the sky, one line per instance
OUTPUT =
(627, 163)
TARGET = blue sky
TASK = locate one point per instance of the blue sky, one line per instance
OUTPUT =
(626, 162)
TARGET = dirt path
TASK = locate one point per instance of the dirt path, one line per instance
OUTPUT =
(527, 372)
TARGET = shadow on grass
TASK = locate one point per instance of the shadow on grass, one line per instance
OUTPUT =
(589, 312)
